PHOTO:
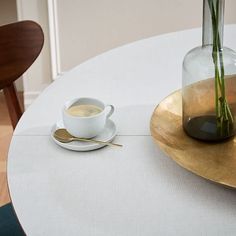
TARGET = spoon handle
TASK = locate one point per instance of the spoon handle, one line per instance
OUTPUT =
(98, 141)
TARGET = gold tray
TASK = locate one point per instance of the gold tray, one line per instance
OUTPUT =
(213, 161)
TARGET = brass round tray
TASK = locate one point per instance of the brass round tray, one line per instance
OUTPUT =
(213, 161)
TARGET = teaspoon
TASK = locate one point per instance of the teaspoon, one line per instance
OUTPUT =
(63, 136)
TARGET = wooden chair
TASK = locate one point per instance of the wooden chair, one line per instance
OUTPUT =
(20, 45)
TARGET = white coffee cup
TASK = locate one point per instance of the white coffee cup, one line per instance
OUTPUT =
(86, 126)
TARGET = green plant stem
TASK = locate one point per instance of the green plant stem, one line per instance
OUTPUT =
(223, 113)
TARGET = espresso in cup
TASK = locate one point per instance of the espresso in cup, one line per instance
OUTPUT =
(86, 117)
(85, 110)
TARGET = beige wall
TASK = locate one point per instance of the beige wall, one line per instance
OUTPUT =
(7, 11)
(38, 76)
(8, 14)
(88, 28)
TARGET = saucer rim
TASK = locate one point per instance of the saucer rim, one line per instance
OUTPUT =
(85, 146)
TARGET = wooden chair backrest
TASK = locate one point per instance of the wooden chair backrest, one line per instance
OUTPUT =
(20, 45)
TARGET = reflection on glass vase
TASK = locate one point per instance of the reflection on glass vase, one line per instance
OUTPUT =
(209, 81)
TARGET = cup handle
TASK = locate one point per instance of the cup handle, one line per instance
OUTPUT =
(111, 110)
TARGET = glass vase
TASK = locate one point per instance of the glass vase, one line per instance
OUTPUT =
(209, 81)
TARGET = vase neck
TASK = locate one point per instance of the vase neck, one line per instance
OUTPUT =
(213, 21)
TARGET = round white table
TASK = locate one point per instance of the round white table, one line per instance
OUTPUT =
(134, 190)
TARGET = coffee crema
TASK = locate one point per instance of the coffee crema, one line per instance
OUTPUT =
(85, 110)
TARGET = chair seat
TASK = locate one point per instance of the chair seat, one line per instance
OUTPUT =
(9, 225)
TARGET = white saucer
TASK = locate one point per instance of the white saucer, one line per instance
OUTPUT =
(107, 135)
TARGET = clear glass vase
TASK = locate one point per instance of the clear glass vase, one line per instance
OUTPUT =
(209, 81)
